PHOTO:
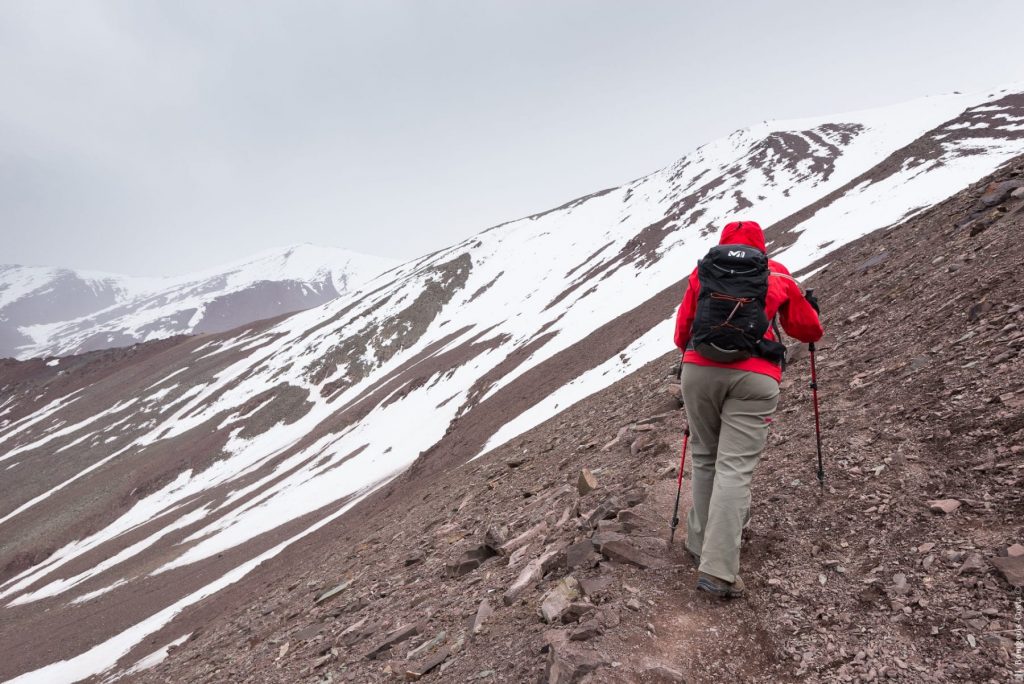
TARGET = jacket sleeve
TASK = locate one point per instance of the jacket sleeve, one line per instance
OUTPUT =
(798, 317)
(687, 310)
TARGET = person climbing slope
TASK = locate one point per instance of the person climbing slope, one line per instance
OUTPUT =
(732, 365)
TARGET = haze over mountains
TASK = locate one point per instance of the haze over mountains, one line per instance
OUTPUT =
(58, 311)
(140, 482)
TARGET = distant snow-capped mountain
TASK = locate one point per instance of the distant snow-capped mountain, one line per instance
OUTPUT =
(57, 311)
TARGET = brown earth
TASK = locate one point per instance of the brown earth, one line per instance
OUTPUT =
(858, 581)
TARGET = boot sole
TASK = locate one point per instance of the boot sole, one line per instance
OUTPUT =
(717, 590)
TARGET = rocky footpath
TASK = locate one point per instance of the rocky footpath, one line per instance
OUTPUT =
(547, 559)
(529, 561)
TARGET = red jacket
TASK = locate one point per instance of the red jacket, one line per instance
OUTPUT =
(797, 316)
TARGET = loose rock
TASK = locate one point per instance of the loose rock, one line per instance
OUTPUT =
(595, 586)
(663, 674)
(533, 571)
(608, 508)
(586, 631)
(483, 612)
(974, 565)
(415, 671)
(393, 638)
(495, 537)
(568, 667)
(581, 555)
(1011, 568)
(413, 558)
(523, 539)
(945, 506)
(586, 482)
(559, 598)
(469, 561)
(332, 593)
(624, 552)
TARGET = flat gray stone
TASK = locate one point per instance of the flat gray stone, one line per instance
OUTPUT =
(945, 506)
(559, 598)
(586, 631)
(469, 561)
(483, 612)
(415, 671)
(332, 593)
(623, 552)
(581, 555)
(1011, 568)
(533, 571)
(594, 586)
(392, 639)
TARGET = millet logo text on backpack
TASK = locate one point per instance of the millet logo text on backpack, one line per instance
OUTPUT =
(737, 254)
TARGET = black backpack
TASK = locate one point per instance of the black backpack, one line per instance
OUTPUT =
(730, 322)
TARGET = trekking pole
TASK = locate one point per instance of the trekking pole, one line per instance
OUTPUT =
(679, 484)
(817, 418)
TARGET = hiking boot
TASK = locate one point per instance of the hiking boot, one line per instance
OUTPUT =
(694, 558)
(719, 587)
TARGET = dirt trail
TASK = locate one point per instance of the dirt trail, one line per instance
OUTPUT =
(705, 639)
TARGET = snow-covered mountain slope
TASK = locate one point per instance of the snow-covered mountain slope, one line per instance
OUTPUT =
(34, 295)
(49, 311)
(139, 482)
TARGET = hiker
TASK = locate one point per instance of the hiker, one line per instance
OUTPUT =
(732, 365)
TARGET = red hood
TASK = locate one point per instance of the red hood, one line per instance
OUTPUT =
(743, 233)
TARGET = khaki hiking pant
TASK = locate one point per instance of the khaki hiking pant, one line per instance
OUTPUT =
(727, 411)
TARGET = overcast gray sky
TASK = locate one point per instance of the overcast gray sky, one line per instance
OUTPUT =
(155, 138)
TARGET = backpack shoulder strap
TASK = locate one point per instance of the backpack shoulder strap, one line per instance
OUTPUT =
(778, 337)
